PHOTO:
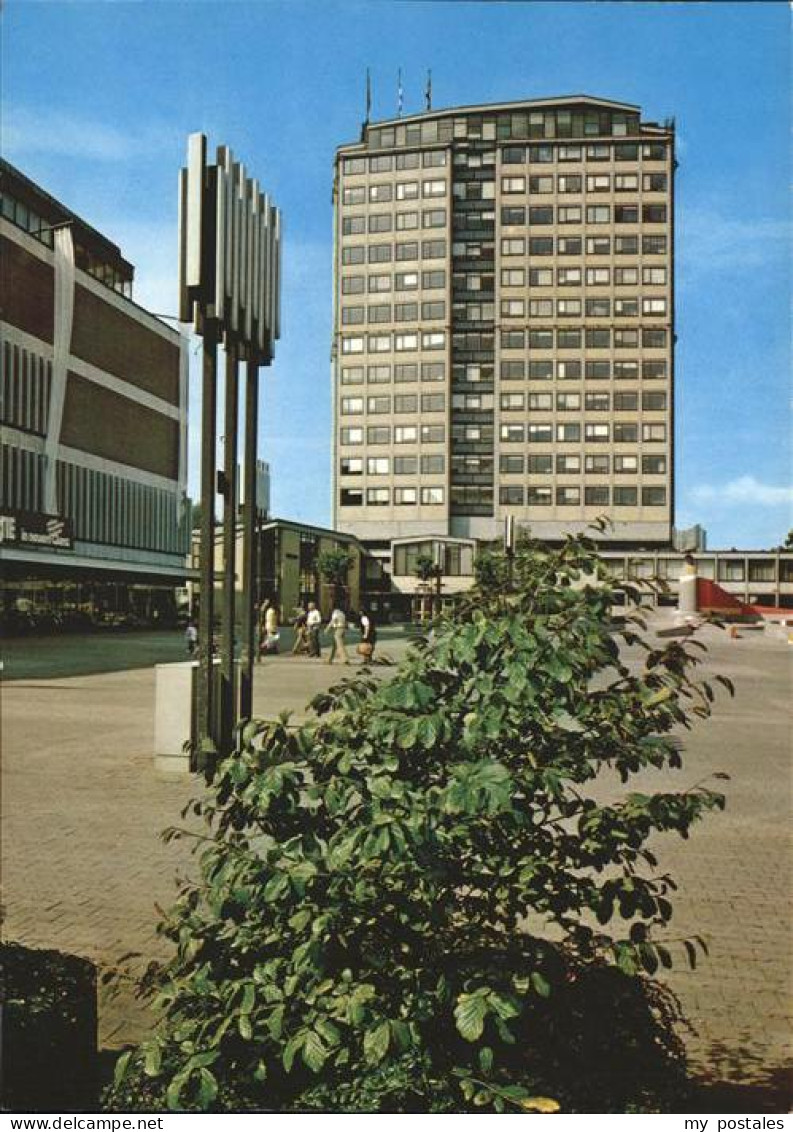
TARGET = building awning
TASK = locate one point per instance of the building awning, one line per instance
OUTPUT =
(23, 564)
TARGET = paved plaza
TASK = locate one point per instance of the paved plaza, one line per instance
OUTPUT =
(84, 866)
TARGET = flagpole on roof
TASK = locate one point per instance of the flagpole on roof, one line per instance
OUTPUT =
(368, 97)
(400, 93)
(428, 90)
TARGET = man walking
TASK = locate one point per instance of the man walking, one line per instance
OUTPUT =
(314, 624)
(337, 626)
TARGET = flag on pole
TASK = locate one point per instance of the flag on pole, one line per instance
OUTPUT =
(368, 94)
(400, 93)
(428, 91)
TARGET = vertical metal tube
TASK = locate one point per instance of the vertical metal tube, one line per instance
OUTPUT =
(227, 633)
(206, 751)
(249, 541)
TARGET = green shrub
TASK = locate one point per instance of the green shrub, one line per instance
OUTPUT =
(413, 904)
(48, 1030)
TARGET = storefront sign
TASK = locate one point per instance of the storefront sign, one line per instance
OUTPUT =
(32, 528)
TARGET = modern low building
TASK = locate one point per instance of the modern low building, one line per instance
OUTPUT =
(503, 333)
(287, 573)
(754, 577)
(94, 519)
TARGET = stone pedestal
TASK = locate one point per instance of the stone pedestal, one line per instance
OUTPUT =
(174, 713)
(687, 594)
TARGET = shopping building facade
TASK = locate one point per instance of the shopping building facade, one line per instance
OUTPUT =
(94, 517)
(503, 331)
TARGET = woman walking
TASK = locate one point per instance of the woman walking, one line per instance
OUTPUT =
(368, 636)
(337, 626)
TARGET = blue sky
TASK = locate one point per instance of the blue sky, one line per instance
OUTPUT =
(98, 99)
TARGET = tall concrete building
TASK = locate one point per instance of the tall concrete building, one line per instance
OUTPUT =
(504, 324)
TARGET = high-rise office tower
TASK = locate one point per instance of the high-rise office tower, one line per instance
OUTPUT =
(504, 323)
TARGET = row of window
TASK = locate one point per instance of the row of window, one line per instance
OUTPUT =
(599, 151)
(598, 463)
(537, 215)
(571, 432)
(431, 159)
(517, 495)
(386, 192)
(505, 125)
(25, 382)
(508, 125)
(540, 464)
(103, 508)
(381, 374)
(383, 312)
(622, 337)
(598, 401)
(402, 403)
(402, 434)
(600, 495)
(382, 343)
(620, 432)
(651, 244)
(623, 307)
(399, 221)
(652, 369)
(380, 253)
(401, 281)
(381, 496)
(652, 305)
(576, 183)
(402, 465)
(510, 277)
(593, 337)
(592, 276)
(30, 221)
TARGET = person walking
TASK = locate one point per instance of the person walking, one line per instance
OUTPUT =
(368, 636)
(191, 638)
(337, 627)
(300, 625)
(314, 625)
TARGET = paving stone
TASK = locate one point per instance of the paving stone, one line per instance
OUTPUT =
(84, 867)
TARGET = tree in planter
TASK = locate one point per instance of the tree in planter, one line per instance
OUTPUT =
(334, 567)
(429, 573)
(413, 902)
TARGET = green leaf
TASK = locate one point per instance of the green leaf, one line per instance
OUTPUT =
(153, 1060)
(290, 1050)
(275, 887)
(173, 1095)
(401, 1033)
(207, 1088)
(122, 1067)
(329, 1032)
(540, 984)
(314, 1052)
(469, 1016)
(248, 999)
(486, 1059)
(376, 1042)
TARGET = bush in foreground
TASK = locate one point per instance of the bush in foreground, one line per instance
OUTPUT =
(413, 904)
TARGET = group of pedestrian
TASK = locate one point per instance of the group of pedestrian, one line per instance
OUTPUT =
(308, 633)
